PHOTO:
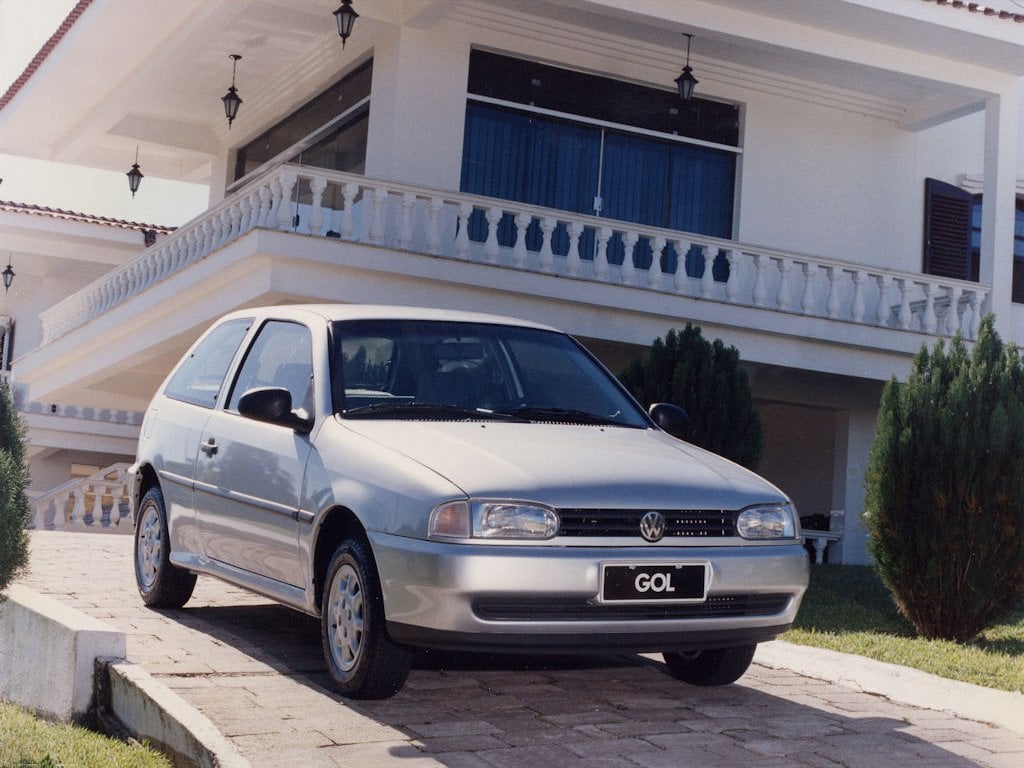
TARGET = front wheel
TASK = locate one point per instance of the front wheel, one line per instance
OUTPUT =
(720, 666)
(161, 584)
(363, 661)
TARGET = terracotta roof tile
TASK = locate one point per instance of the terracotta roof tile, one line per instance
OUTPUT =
(44, 52)
(60, 213)
(982, 9)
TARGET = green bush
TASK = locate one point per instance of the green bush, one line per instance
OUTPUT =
(14, 508)
(944, 492)
(706, 380)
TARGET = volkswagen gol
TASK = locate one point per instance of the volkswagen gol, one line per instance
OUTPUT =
(449, 480)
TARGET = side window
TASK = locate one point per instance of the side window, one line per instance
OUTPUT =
(199, 377)
(281, 356)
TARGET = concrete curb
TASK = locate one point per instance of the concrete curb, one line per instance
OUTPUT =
(47, 653)
(901, 684)
(149, 709)
(67, 666)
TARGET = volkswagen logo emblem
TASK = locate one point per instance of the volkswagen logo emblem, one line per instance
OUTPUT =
(652, 526)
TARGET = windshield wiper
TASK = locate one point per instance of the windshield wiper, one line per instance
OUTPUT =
(563, 415)
(426, 411)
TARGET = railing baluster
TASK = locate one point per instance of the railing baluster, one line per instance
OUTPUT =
(405, 221)
(682, 247)
(434, 225)
(348, 222)
(572, 258)
(493, 217)
(883, 312)
(975, 316)
(835, 275)
(546, 257)
(378, 202)
(604, 234)
(629, 243)
(522, 221)
(462, 237)
(905, 315)
(732, 284)
(760, 294)
(783, 296)
(929, 321)
(707, 280)
(809, 302)
(654, 273)
(953, 315)
(317, 186)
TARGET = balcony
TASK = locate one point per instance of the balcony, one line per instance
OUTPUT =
(597, 278)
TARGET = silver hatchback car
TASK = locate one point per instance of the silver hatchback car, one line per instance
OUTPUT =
(422, 478)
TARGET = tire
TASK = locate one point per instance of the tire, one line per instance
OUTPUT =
(160, 584)
(362, 660)
(720, 666)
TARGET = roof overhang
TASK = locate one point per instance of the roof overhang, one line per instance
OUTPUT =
(151, 73)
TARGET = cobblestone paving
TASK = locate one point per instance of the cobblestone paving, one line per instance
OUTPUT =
(255, 670)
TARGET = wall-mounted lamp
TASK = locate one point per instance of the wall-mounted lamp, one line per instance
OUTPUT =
(8, 274)
(346, 17)
(232, 101)
(134, 175)
(686, 81)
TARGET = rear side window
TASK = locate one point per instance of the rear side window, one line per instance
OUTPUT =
(200, 376)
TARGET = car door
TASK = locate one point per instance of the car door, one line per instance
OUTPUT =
(249, 473)
(175, 422)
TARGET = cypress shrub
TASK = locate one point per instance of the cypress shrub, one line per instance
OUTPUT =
(705, 379)
(14, 508)
(944, 491)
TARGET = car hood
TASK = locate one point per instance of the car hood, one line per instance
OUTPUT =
(572, 466)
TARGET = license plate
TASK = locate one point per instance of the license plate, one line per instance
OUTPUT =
(658, 582)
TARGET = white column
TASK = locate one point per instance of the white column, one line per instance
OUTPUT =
(998, 209)
(855, 434)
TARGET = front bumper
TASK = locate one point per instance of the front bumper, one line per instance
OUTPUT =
(530, 598)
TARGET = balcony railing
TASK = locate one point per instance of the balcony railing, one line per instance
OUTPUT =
(320, 203)
(97, 502)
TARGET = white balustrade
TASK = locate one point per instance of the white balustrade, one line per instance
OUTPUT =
(513, 235)
(99, 501)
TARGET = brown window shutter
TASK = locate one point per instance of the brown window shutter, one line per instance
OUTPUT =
(947, 230)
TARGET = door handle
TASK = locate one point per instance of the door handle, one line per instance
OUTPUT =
(209, 447)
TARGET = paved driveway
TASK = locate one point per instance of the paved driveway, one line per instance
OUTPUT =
(255, 670)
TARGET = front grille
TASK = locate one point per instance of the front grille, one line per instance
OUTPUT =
(578, 609)
(680, 523)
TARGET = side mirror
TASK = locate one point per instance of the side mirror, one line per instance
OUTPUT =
(274, 406)
(672, 419)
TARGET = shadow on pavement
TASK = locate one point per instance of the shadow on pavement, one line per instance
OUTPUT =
(515, 710)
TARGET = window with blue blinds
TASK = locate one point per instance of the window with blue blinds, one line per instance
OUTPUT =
(557, 164)
(514, 153)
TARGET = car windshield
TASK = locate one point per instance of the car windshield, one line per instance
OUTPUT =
(430, 370)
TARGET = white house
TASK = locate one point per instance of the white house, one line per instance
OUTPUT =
(815, 203)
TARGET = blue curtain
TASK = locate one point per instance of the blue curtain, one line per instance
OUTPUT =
(555, 164)
(537, 161)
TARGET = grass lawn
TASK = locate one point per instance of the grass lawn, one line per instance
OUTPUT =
(847, 609)
(26, 741)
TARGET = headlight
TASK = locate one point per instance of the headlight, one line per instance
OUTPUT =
(770, 521)
(492, 520)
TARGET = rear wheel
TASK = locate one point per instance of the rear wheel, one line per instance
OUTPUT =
(720, 666)
(363, 661)
(161, 584)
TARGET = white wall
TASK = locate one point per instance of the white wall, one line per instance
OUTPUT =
(814, 179)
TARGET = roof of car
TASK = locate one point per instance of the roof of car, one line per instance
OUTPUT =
(332, 312)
